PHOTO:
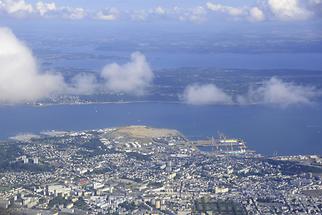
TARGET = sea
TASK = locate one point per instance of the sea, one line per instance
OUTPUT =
(267, 130)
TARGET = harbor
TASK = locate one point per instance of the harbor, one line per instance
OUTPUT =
(222, 145)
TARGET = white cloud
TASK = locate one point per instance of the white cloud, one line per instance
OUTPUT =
(205, 95)
(256, 14)
(233, 11)
(21, 8)
(108, 14)
(16, 7)
(272, 92)
(20, 80)
(44, 8)
(139, 15)
(147, 14)
(71, 13)
(160, 10)
(83, 84)
(289, 9)
(278, 92)
(250, 13)
(131, 78)
(196, 14)
(283, 10)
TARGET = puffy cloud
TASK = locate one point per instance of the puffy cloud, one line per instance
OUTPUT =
(289, 9)
(131, 78)
(278, 92)
(83, 84)
(44, 8)
(19, 8)
(196, 14)
(20, 80)
(256, 14)
(160, 10)
(284, 10)
(16, 7)
(108, 14)
(139, 15)
(272, 92)
(74, 13)
(205, 95)
(251, 13)
(233, 11)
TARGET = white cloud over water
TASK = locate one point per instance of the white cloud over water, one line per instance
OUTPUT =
(277, 92)
(108, 14)
(77, 13)
(133, 77)
(44, 8)
(251, 13)
(274, 91)
(208, 94)
(16, 7)
(289, 9)
(83, 84)
(282, 10)
(256, 14)
(20, 79)
(233, 11)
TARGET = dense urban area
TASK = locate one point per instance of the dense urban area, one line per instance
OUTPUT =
(143, 170)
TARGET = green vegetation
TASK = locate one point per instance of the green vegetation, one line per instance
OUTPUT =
(19, 166)
(81, 204)
(8, 153)
(138, 156)
(155, 184)
(93, 144)
(129, 206)
(59, 201)
(7, 212)
(293, 168)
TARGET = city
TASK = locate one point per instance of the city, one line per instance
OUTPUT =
(143, 170)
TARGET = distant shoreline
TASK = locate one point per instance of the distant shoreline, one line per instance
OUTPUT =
(121, 102)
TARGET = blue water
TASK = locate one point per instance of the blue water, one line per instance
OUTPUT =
(162, 60)
(268, 130)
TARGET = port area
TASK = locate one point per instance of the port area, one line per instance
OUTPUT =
(223, 146)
